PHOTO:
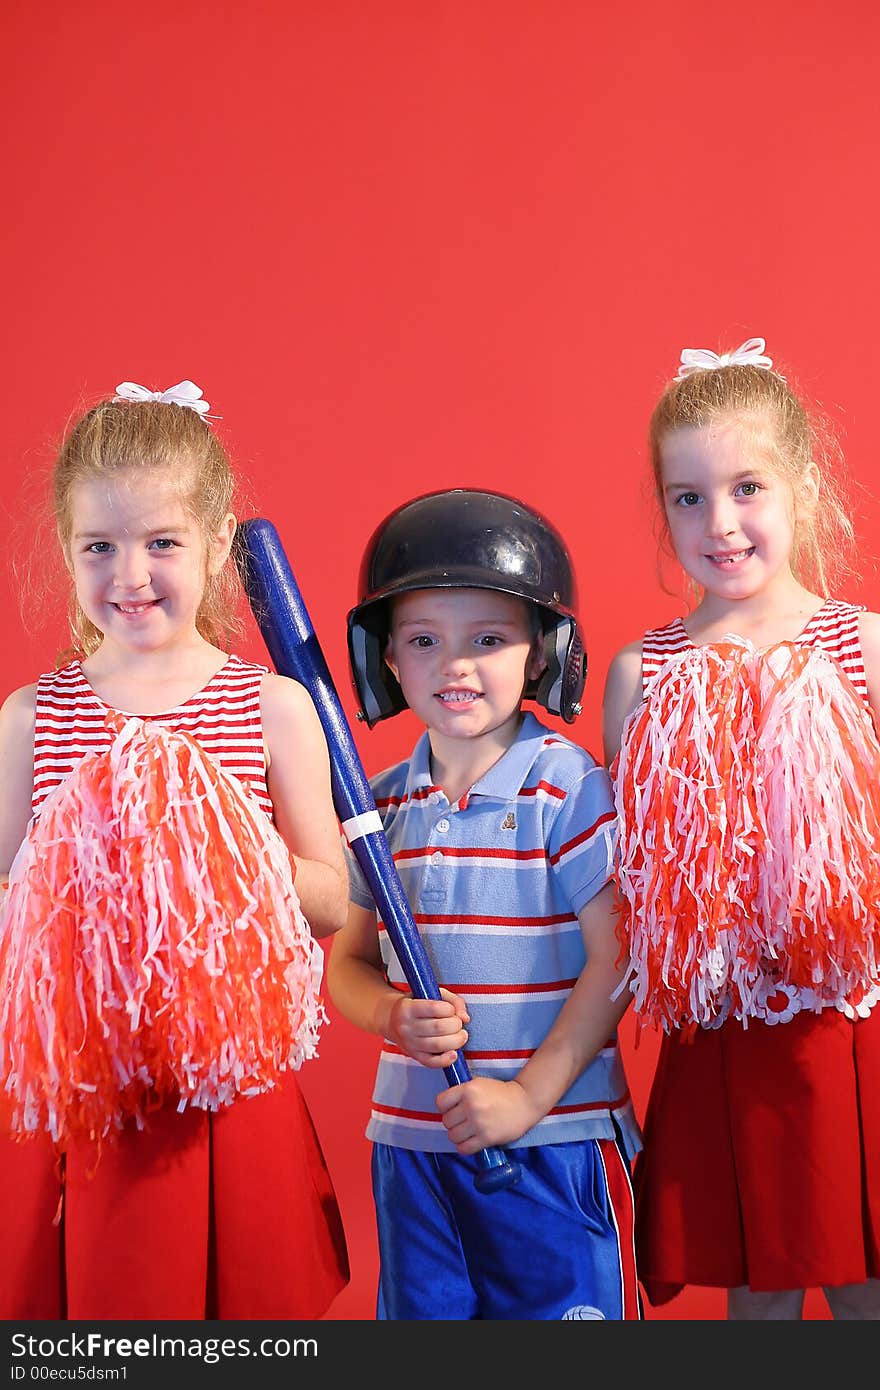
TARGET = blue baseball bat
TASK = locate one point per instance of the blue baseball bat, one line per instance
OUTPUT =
(292, 643)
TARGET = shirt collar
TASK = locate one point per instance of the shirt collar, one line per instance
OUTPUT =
(419, 774)
(504, 779)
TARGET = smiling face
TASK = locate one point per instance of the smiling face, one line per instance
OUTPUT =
(462, 658)
(139, 558)
(730, 512)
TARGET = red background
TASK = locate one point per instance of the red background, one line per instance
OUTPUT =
(407, 246)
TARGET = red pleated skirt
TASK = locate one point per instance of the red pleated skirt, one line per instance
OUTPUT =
(761, 1164)
(224, 1216)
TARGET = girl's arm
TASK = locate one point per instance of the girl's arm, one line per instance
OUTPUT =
(428, 1030)
(485, 1111)
(869, 633)
(623, 694)
(16, 771)
(298, 771)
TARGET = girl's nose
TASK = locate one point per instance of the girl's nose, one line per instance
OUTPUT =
(721, 518)
(131, 569)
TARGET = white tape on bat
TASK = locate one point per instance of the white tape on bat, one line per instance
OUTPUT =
(364, 824)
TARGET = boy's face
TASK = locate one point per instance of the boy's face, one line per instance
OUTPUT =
(462, 658)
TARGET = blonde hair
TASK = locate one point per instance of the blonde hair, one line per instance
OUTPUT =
(756, 398)
(144, 436)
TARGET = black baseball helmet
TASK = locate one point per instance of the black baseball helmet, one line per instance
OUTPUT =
(466, 539)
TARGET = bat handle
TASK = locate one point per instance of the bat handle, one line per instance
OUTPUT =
(497, 1171)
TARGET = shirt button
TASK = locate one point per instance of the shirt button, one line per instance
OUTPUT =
(437, 858)
(443, 824)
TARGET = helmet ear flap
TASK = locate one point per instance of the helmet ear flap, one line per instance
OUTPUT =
(375, 685)
(574, 678)
(561, 684)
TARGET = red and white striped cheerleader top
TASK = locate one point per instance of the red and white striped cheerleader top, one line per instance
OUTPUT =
(224, 718)
(834, 629)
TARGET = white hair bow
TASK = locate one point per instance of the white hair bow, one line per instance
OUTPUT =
(748, 354)
(185, 394)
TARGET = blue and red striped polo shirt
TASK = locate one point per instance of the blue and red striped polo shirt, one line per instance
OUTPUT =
(495, 882)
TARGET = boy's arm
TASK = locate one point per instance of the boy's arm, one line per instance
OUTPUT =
(589, 1017)
(485, 1112)
(16, 771)
(299, 784)
(430, 1031)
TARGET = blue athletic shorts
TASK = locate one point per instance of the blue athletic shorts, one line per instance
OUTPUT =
(557, 1244)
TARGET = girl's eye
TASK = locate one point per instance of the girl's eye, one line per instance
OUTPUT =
(489, 639)
(749, 489)
(99, 548)
(164, 543)
(687, 499)
(422, 640)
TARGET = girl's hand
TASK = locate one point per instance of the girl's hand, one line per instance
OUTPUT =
(483, 1113)
(430, 1031)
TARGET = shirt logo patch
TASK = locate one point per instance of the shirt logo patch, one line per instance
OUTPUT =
(509, 822)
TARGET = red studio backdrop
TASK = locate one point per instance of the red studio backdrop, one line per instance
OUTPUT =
(404, 247)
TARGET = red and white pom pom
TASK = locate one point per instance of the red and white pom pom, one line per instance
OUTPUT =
(820, 800)
(152, 945)
(748, 794)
